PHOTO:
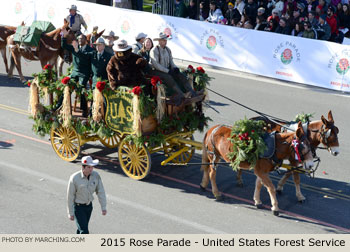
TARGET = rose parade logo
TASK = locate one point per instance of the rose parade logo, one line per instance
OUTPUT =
(212, 38)
(340, 61)
(169, 29)
(211, 43)
(286, 56)
(51, 12)
(342, 66)
(125, 27)
(18, 8)
(287, 52)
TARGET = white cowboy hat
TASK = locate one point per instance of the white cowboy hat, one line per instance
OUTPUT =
(73, 7)
(162, 35)
(87, 160)
(121, 46)
(141, 35)
(111, 34)
(99, 41)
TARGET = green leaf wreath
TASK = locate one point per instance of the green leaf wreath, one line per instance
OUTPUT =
(304, 118)
(247, 142)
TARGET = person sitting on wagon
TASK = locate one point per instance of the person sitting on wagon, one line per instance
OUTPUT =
(110, 37)
(140, 38)
(125, 67)
(81, 64)
(99, 60)
(164, 67)
(145, 53)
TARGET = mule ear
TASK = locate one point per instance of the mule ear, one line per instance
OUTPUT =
(22, 24)
(100, 33)
(324, 120)
(300, 132)
(330, 117)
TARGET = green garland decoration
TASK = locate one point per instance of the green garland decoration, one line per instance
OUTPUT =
(304, 118)
(247, 142)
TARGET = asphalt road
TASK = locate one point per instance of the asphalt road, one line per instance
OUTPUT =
(33, 178)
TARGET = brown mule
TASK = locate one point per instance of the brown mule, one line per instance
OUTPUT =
(218, 142)
(47, 52)
(319, 132)
(5, 32)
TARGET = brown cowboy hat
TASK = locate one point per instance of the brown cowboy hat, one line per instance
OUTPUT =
(110, 34)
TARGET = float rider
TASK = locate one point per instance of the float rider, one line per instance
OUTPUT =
(125, 68)
(110, 37)
(81, 64)
(164, 67)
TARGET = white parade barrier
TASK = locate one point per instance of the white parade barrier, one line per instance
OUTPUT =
(313, 62)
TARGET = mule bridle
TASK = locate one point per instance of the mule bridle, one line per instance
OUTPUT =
(325, 134)
(298, 146)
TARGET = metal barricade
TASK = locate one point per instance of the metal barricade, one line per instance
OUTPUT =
(166, 7)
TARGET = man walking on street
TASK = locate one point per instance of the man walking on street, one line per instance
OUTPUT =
(81, 187)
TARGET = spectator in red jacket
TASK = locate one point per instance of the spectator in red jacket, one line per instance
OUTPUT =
(332, 21)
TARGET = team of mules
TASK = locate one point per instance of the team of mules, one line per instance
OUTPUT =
(217, 146)
(318, 132)
(48, 51)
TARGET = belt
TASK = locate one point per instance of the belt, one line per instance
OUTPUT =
(80, 204)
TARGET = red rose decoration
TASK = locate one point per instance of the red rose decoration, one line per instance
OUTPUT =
(190, 69)
(85, 161)
(200, 69)
(65, 80)
(155, 80)
(47, 66)
(29, 83)
(137, 90)
(100, 85)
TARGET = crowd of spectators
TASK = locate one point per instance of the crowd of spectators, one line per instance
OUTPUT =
(315, 19)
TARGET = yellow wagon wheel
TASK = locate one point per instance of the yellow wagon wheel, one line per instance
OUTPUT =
(111, 142)
(65, 141)
(135, 161)
(185, 157)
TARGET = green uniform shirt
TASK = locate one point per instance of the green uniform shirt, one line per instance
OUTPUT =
(81, 62)
(80, 190)
(98, 64)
